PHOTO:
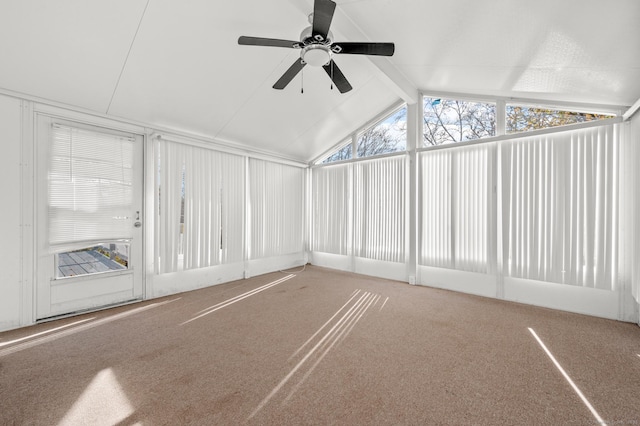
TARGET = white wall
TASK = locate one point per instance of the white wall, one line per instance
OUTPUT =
(18, 233)
(10, 213)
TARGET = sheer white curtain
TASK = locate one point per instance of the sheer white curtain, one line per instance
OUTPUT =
(456, 187)
(331, 194)
(380, 208)
(276, 197)
(560, 207)
(200, 207)
(90, 187)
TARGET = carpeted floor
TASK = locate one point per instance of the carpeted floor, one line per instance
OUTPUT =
(322, 347)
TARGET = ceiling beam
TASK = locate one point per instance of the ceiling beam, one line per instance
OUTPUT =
(394, 78)
(632, 110)
(385, 70)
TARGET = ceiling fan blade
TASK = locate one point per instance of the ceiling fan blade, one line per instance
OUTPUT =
(273, 42)
(322, 16)
(289, 74)
(338, 78)
(379, 49)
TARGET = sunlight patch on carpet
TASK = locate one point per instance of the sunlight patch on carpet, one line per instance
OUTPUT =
(354, 310)
(103, 402)
(81, 327)
(575, 388)
(31, 336)
(212, 309)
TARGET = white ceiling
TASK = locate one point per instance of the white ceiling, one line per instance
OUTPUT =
(177, 64)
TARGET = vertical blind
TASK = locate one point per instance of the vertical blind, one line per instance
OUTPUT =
(276, 197)
(560, 207)
(169, 185)
(213, 208)
(456, 186)
(90, 184)
(379, 209)
(362, 207)
(331, 194)
(200, 207)
(629, 206)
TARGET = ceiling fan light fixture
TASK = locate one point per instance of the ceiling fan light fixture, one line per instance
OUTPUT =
(316, 55)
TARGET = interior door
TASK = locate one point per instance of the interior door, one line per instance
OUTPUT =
(89, 225)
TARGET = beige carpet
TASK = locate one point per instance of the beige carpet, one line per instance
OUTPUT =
(321, 347)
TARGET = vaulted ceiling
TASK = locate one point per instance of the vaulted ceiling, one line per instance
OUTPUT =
(177, 64)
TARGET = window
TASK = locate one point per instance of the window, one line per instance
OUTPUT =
(387, 136)
(451, 120)
(90, 200)
(343, 153)
(522, 118)
(99, 258)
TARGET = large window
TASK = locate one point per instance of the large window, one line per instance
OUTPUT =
(386, 136)
(342, 153)
(523, 118)
(451, 120)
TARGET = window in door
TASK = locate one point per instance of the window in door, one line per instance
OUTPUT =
(90, 201)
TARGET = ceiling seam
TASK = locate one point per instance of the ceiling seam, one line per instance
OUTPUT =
(126, 59)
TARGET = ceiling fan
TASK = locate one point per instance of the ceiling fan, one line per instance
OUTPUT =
(317, 47)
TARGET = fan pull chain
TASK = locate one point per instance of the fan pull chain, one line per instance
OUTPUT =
(331, 75)
(302, 81)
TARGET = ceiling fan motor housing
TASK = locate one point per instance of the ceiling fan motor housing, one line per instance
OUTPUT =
(307, 37)
(316, 55)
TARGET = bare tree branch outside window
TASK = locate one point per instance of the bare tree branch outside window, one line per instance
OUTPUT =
(450, 121)
(387, 136)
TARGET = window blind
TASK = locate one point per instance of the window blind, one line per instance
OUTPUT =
(200, 207)
(379, 209)
(331, 194)
(457, 187)
(90, 184)
(169, 187)
(213, 208)
(560, 207)
(276, 195)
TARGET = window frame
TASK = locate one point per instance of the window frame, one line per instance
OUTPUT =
(555, 108)
(615, 110)
(354, 135)
(374, 123)
(462, 98)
